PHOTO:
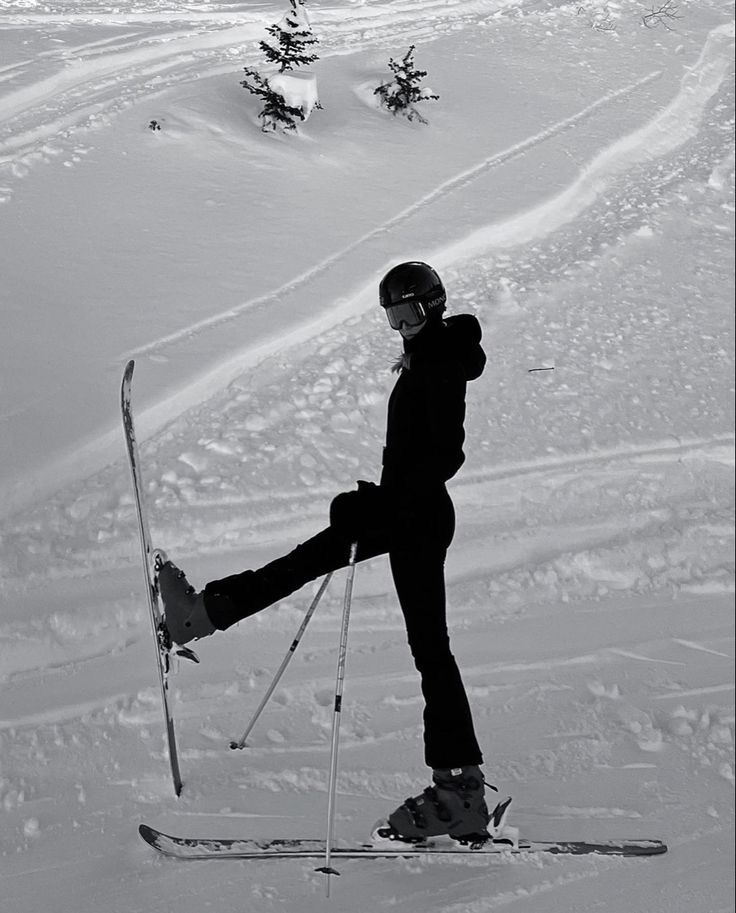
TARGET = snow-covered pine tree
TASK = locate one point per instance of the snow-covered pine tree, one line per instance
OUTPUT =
(287, 96)
(275, 114)
(404, 92)
(293, 35)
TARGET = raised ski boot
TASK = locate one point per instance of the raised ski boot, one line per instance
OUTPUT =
(454, 805)
(184, 611)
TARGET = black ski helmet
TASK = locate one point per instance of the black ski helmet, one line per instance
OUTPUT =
(413, 281)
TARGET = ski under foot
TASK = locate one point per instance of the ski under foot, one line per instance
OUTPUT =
(212, 848)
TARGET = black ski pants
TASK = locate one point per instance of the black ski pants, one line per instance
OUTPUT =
(415, 533)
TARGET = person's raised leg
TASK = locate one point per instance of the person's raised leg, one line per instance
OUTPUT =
(225, 602)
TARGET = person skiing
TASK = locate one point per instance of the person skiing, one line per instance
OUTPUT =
(409, 515)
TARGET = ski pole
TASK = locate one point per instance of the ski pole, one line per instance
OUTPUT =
(340, 679)
(285, 662)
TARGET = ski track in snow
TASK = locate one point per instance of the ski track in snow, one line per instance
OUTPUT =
(460, 181)
(665, 132)
(98, 80)
(694, 646)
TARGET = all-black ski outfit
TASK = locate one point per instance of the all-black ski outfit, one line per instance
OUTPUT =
(410, 516)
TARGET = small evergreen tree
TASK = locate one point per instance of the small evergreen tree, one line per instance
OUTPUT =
(275, 114)
(293, 35)
(403, 93)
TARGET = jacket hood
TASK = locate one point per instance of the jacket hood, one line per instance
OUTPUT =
(456, 338)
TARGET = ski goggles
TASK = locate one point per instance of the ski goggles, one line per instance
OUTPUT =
(409, 313)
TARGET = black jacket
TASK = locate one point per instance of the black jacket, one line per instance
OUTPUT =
(426, 410)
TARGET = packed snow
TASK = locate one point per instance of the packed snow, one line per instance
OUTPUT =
(575, 187)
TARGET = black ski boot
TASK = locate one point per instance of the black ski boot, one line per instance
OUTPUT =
(455, 805)
(184, 612)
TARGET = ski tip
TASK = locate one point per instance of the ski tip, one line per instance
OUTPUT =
(644, 847)
(148, 834)
(126, 384)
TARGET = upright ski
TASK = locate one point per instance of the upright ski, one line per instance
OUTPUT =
(150, 557)
(208, 848)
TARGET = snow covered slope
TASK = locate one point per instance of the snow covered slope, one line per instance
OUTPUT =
(576, 187)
